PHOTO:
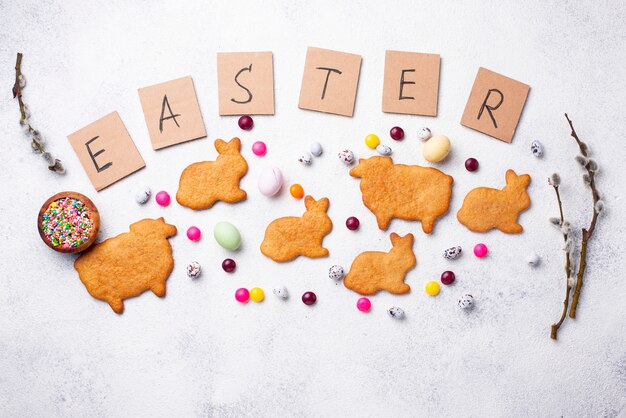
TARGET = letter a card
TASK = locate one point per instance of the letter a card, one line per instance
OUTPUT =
(172, 112)
(106, 151)
(330, 81)
(495, 105)
(245, 83)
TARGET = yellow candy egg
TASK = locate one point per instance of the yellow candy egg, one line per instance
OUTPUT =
(257, 294)
(432, 288)
(436, 148)
(372, 141)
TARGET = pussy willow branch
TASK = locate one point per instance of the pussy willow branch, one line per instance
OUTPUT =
(587, 233)
(568, 270)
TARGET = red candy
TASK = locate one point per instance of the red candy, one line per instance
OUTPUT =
(396, 133)
(246, 122)
(309, 298)
(229, 265)
(471, 164)
(447, 277)
(352, 223)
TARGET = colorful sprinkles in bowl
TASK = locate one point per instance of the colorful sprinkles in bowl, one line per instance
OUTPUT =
(67, 223)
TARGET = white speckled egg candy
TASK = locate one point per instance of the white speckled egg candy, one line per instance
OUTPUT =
(316, 149)
(383, 149)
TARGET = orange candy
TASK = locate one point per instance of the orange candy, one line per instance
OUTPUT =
(296, 191)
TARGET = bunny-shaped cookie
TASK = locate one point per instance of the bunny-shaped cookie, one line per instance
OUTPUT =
(372, 271)
(204, 183)
(286, 238)
(485, 208)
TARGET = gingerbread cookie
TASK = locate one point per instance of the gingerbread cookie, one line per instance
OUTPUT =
(204, 183)
(129, 264)
(372, 271)
(408, 192)
(485, 208)
(287, 238)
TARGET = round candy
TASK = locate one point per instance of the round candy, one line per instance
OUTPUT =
(193, 233)
(432, 288)
(270, 181)
(471, 164)
(143, 195)
(372, 141)
(352, 223)
(229, 265)
(242, 295)
(259, 148)
(194, 270)
(452, 252)
(480, 250)
(447, 277)
(281, 292)
(309, 298)
(534, 260)
(336, 272)
(395, 312)
(296, 191)
(227, 235)
(162, 198)
(536, 148)
(436, 148)
(383, 150)
(466, 301)
(257, 294)
(396, 133)
(316, 149)
(424, 134)
(305, 158)
(246, 122)
(346, 156)
(363, 304)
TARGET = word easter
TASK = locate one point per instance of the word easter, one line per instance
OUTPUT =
(330, 80)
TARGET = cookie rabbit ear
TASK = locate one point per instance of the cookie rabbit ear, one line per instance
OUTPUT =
(395, 238)
(525, 180)
(220, 145)
(510, 176)
(235, 143)
(322, 204)
(309, 202)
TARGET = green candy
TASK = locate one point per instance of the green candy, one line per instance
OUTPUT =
(227, 235)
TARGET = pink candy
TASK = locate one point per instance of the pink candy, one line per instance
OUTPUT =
(480, 250)
(259, 148)
(162, 198)
(363, 304)
(193, 233)
(242, 295)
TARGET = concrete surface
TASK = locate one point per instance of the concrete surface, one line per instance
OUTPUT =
(197, 352)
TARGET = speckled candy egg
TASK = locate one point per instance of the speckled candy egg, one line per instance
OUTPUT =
(194, 270)
(305, 158)
(395, 312)
(452, 252)
(143, 195)
(466, 301)
(281, 292)
(316, 149)
(336, 273)
(383, 149)
(534, 260)
(536, 148)
(424, 134)
(346, 156)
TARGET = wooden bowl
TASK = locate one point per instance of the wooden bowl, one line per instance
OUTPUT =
(95, 218)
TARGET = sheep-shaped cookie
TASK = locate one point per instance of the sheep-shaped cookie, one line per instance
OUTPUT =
(129, 264)
(204, 183)
(287, 238)
(485, 208)
(372, 271)
(408, 192)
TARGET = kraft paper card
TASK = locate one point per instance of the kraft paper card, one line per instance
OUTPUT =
(411, 83)
(106, 151)
(330, 81)
(245, 83)
(172, 113)
(495, 105)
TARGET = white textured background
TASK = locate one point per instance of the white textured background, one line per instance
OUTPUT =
(197, 352)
